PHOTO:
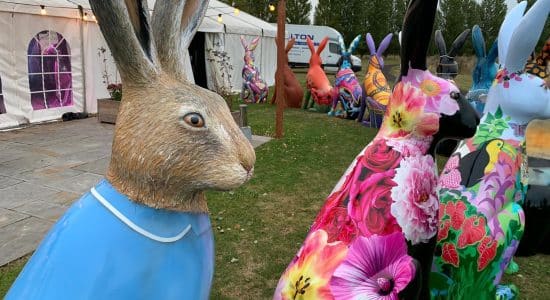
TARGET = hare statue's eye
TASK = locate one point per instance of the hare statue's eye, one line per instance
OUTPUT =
(455, 95)
(193, 119)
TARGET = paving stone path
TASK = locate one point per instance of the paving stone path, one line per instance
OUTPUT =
(43, 170)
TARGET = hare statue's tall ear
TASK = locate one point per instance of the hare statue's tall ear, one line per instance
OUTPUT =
(243, 42)
(493, 53)
(459, 43)
(125, 26)
(310, 45)
(342, 44)
(290, 44)
(370, 44)
(254, 43)
(322, 45)
(384, 44)
(479, 42)
(526, 35)
(507, 28)
(417, 32)
(440, 43)
(354, 44)
(174, 25)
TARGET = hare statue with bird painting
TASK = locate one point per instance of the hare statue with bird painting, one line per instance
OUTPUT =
(347, 94)
(376, 88)
(484, 72)
(254, 89)
(294, 93)
(144, 231)
(319, 90)
(375, 234)
(482, 188)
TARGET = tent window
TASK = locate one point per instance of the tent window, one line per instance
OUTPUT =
(2, 106)
(50, 76)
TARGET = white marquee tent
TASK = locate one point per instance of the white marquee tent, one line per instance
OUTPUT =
(56, 61)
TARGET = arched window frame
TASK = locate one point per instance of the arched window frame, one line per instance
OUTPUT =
(49, 70)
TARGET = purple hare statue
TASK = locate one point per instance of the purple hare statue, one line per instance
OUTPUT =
(482, 188)
(254, 89)
(144, 232)
(375, 234)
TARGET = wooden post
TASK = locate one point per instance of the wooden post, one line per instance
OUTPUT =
(279, 76)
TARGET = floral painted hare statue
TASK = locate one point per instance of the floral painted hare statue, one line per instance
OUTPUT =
(319, 90)
(347, 94)
(254, 89)
(374, 236)
(294, 93)
(376, 87)
(481, 220)
(144, 232)
(484, 72)
(448, 67)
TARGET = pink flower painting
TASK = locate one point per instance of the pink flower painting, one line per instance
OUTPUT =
(416, 204)
(376, 267)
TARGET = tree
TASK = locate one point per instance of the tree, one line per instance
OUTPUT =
(455, 16)
(492, 15)
(257, 8)
(297, 11)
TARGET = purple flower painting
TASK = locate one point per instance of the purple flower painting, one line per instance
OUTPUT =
(49, 66)
(376, 267)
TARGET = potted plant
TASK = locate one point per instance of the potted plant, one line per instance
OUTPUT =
(107, 108)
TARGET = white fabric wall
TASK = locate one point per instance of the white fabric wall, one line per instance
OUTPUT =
(18, 30)
(100, 67)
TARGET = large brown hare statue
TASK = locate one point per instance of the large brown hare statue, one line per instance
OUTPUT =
(144, 231)
(294, 93)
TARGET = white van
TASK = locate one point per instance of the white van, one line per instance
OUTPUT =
(300, 54)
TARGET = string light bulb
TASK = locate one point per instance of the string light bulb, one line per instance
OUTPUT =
(236, 11)
(220, 18)
(42, 9)
(271, 6)
(94, 18)
(85, 17)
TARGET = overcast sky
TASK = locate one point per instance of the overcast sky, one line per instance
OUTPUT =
(511, 3)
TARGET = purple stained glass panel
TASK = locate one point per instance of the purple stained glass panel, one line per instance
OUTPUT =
(49, 66)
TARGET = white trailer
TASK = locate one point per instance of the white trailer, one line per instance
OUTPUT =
(300, 54)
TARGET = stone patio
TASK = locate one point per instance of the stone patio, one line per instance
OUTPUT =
(43, 170)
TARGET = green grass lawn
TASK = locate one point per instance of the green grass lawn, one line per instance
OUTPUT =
(259, 227)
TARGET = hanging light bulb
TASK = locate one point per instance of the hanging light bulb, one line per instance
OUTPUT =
(271, 6)
(236, 11)
(94, 18)
(42, 9)
(220, 18)
(85, 17)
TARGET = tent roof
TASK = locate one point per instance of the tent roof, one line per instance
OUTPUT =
(243, 23)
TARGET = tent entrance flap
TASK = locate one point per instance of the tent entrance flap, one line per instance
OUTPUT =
(198, 60)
